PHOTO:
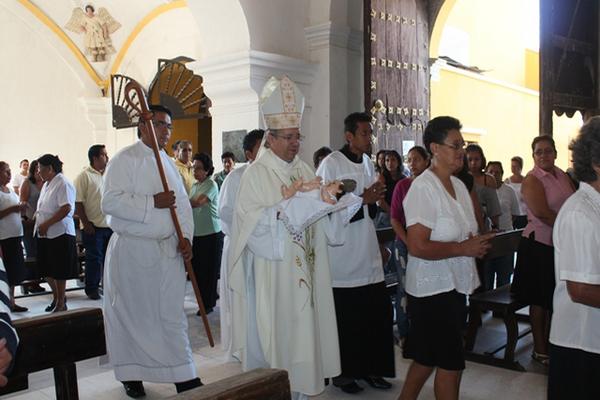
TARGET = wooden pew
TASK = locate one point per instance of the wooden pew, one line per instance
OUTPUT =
(502, 303)
(258, 384)
(57, 341)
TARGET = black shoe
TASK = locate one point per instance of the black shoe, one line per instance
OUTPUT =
(134, 389)
(208, 311)
(94, 295)
(35, 288)
(188, 385)
(377, 382)
(17, 308)
(351, 387)
(51, 306)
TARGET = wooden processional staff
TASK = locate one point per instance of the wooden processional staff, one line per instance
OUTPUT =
(134, 88)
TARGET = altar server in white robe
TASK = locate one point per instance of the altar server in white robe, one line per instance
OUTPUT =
(282, 304)
(362, 304)
(144, 277)
(227, 197)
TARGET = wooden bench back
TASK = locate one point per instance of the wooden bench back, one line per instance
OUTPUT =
(53, 340)
(258, 384)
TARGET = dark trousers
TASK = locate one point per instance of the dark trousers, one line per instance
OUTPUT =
(206, 262)
(573, 374)
(95, 249)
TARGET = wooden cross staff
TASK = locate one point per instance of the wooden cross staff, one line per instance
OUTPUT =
(132, 88)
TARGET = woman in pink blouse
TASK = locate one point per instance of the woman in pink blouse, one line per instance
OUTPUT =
(545, 189)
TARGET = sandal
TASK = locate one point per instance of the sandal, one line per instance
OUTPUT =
(543, 359)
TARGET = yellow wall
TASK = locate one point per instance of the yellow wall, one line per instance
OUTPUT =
(504, 102)
(532, 69)
(507, 115)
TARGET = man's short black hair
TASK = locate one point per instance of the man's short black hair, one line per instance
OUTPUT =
(250, 140)
(437, 130)
(206, 162)
(94, 151)
(227, 154)
(155, 108)
(352, 120)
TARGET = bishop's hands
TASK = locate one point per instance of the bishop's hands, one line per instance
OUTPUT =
(330, 191)
(373, 193)
(164, 199)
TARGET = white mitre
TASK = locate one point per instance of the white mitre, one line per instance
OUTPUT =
(281, 104)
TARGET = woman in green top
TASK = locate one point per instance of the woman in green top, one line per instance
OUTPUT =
(208, 239)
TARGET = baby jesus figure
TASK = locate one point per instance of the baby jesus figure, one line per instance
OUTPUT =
(328, 191)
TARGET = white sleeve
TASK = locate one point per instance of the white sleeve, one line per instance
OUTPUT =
(576, 248)
(419, 206)
(267, 238)
(227, 198)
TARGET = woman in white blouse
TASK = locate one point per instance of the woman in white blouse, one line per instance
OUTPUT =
(55, 230)
(11, 232)
(575, 343)
(442, 244)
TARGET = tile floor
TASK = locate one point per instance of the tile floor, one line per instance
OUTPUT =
(97, 381)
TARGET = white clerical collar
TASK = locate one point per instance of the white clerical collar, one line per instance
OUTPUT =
(281, 162)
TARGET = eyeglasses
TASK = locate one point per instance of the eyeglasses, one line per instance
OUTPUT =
(455, 146)
(544, 152)
(162, 124)
(289, 138)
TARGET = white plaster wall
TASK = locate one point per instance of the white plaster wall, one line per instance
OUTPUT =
(277, 26)
(41, 85)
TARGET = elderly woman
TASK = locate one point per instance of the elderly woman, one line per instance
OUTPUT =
(11, 232)
(55, 230)
(208, 239)
(442, 245)
(575, 344)
(545, 189)
(418, 161)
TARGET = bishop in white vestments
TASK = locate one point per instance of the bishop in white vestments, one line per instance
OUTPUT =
(282, 303)
(144, 277)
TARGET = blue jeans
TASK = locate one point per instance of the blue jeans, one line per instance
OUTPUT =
(95, 249)
(401, 315)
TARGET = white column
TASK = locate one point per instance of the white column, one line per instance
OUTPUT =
(234, 82)
(338, 87)
(99, 114)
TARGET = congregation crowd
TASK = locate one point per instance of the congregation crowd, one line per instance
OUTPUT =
(292, 256)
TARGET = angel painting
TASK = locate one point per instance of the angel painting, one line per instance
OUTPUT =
(96, 28)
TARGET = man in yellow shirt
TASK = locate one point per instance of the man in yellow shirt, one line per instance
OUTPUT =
(183, 162)
(95, 231)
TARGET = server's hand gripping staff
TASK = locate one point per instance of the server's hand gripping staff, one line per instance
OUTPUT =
(133, 89)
